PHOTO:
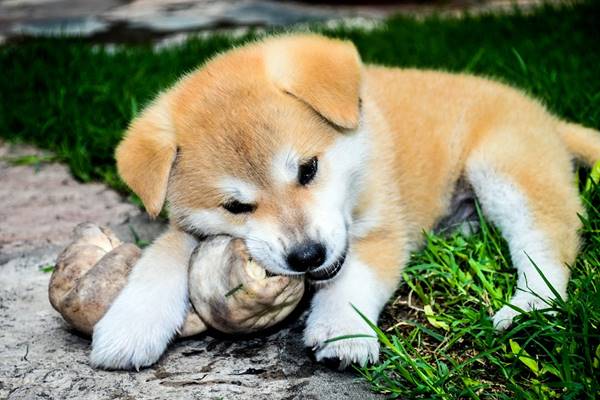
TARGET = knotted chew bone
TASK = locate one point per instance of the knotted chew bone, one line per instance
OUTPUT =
(228, 291)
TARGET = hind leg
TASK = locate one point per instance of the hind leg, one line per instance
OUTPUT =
(528, 193)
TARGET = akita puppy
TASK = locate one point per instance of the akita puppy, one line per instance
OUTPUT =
(332, 169)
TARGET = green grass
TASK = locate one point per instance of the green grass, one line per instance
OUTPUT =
(75, 100)
(445, 347)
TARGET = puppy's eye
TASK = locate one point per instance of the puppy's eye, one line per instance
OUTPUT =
(236, 207)
(307, 171)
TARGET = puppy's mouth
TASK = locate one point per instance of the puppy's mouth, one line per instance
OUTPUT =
(324, 274)
(270, 274)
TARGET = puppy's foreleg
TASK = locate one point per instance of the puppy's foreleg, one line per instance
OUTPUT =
(146, 315)
(366, 282)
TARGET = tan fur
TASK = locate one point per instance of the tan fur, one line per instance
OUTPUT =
(323, 73)
(582, 142)
(145, 156)
(440, 119)
(230, 117)
(429, 123)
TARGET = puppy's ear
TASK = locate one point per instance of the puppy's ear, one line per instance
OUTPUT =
(324, 73)
(146, 154)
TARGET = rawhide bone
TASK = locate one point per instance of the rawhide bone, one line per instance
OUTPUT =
(228, 290)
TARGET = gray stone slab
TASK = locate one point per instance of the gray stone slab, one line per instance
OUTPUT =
(147, 20)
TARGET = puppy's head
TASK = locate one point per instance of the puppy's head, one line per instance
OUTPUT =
(262, 143)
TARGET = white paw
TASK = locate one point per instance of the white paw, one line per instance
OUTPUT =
(146, 315)
(126, 339)
(527, 302)
(363, 350)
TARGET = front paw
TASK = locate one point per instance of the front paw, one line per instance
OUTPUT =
(326, 339)
(127, 341)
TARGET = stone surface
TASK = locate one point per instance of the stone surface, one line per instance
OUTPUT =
(41, 204)
(42, 358)
(144, 20)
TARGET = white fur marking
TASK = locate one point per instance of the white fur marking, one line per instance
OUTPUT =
(341, 170)
(238, 189)
(209, 222)
(146, 315)
(332, 315)
(505, 205)
(284, 169)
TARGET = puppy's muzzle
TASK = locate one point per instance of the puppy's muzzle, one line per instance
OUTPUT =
(323, 274)
(306, 256)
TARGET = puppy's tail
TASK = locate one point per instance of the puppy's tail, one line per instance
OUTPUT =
(582, 142)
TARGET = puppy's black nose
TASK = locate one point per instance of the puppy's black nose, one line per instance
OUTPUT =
(306, 256)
